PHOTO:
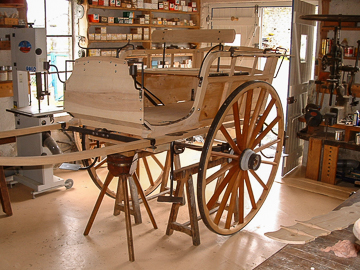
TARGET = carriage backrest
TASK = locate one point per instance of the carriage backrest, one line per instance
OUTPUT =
(101, 89)
(194, 36)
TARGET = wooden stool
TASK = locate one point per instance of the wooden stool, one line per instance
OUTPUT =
(119, 166)
(191, 227)
(4, 194)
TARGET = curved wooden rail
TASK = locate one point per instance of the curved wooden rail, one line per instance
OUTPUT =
(74, 156)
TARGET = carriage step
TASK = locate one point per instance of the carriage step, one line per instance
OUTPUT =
(171, 199)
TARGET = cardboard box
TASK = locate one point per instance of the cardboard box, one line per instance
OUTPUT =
(93, 18)
(103, 36)
(119, 37)
(110, 19)
(94, 52)
(108, 37)
(97, 30)
(112, 3)
(102, 30)
(9, 21)
(97, 36)
(103, 19)
(113, 37)
(106, 3)
(129, 37)
(95, 2)
(118, 3)
(91, 36)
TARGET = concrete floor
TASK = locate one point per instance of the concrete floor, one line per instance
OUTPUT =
(47, 232)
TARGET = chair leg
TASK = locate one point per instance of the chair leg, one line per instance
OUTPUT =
(108, 179)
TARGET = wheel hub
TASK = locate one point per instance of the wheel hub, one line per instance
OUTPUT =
(249, 160)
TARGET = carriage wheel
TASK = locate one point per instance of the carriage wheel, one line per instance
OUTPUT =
(149, 179)
(233, 183)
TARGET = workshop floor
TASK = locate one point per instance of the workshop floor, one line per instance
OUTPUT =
(47, 232)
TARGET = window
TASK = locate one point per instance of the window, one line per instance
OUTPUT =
(56, 17)
(303, 48)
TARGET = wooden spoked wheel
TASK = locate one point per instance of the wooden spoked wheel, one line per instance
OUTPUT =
(150, 169)
(234, 182)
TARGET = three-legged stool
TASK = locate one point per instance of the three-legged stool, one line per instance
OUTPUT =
(119, 166)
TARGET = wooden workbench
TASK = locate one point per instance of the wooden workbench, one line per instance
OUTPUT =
(310, 254)
(320, 139)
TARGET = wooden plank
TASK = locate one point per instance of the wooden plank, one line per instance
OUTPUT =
(27, 131)
(120, 148)
(195, 36)
(329, 165)
(313, 159)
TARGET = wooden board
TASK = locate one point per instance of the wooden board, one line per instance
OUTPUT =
(313, 159)
(195, 36)
(329, 165)
(306, 231)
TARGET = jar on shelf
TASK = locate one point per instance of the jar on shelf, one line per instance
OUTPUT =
(9, 73)
(3, 73)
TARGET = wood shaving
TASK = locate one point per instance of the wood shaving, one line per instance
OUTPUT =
(343, 249)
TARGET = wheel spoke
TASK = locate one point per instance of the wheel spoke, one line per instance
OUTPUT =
(230, 140)
(220, 172)
(221, 187)
(255, 114)
(157, 161)
(148, 172)
(241, 200)
(248, 105)
(262, 120)
(232, 203)
(237, 121)
(97, 166)
(266, 131)
(225, 198)
(259, 180)
(264, 146)
(269, 162)
(250, 191)
(225, 155)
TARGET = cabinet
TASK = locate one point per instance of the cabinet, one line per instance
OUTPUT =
(20, 7)
(105, 28)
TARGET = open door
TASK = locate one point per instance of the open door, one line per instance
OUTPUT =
(301, 72)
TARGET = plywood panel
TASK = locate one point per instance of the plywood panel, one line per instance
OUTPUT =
(102, 87)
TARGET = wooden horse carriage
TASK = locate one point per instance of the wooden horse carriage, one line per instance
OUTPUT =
(132, 113)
